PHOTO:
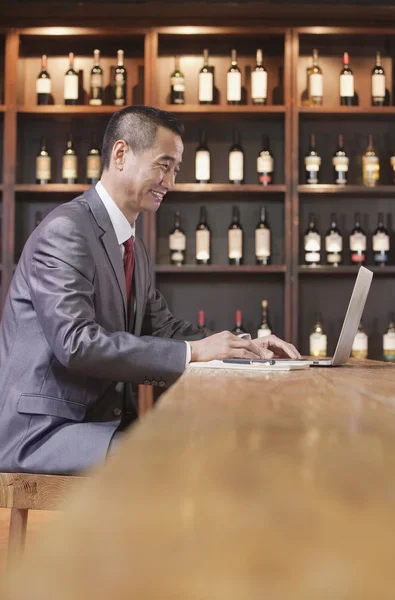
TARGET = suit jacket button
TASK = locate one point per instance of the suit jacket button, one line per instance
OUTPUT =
(154, 382)
(162, 384)
(117, 412)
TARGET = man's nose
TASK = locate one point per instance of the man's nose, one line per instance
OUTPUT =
(168, 180)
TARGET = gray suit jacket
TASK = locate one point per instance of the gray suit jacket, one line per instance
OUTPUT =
(65, 344)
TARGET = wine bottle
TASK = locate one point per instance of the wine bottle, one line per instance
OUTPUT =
(43, 83)
(264, 328)
(201, 320)
(378, 82)
(340, 162)
(120, 79)
(318, 341)
(206, 81)
(43, 164)
(315, 85)
(346, 83)
(262, 240)
(370, 165)
(265, 163)
(312, 162)
(392, 161)
(389, 340)
(93, 162)
(177, 242)
(381, 243)
(312, 243)
(334, 244)
(71, 83)
(70, 162)
(177, 84)
(202, 160)
(360, 343)
(233, 81)
(96, 87)
(203, 239)
(238, 327)
(259, 81)
(236, 160)
(38, 217)
(358, 243)
(235, 239)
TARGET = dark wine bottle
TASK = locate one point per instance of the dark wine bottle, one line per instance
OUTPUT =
(177, 242)
(177, 84)
(381, 243)
(233, 81)
(43, 83)
(203, 239)
(120, 79)
(312, 162)
(96, 87)
(43, 164)
(206, 81)
(340, 163)
(265, 327)
(312, 243)
(238, 326)
(265, 163)
(262, 240)
(358, 243)
(93, 162)
(259, 81)
(378, 82)
(202, 160)
(334, 244)
(235, 239)
(201, 320)
(71, 83)
(236, 160)
(347, 92)
(70, 162)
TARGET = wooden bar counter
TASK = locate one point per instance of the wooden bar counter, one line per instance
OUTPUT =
(237, 486)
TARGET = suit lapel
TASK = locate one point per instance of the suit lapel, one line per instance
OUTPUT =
(138, 289)
(109, 241)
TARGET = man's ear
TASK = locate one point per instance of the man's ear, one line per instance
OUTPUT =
(119, 153)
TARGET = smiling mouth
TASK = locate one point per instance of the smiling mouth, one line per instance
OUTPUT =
(157, 195)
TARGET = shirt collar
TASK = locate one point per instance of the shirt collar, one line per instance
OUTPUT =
(122, 227)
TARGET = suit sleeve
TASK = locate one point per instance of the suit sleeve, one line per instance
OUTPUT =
(63, 295)
(160, 322)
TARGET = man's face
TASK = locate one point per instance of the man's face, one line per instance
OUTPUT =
(147, 177)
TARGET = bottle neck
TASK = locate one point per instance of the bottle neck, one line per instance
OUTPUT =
(120, 59)
(263, 214)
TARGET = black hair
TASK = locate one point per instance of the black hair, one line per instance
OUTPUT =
(137, 125)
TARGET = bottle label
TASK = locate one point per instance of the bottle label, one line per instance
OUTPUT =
(393, 162)
(203, 245)
(341, 163)
(262, 243)
(264, 332)
(233, 87)
(119, 89)
(378, 86)
(235, 243)
(206, 87)
(312, 163)
(96, 80)
(43, 167)
(334, 243)
(370, 163)
(318, 344)
(177, 241)
(177, 84)
(358, 242)
(258, 85)
(69, 167)
(334, 258)
(347, 86)
(43, 86)
(236, 166)
(265, 164)
(360, 343)
(202, 165)
(381, 242)
(312, 242)
(389, 345)
(93, 166)
(316, 85)
(71, 87)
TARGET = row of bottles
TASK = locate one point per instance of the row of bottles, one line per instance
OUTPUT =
(69, 163)
(341, 163)
(71, 92)
(234, 88)
(334, 243)
(348, 95)
(178, 240)
(263, 329)
(236, 161)
(318, 341)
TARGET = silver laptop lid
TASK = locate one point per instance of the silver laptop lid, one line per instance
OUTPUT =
(353, 316)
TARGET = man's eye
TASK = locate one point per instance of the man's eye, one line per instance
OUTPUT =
(165, 167)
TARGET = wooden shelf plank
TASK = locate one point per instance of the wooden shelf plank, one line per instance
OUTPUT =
(66, 188)
(229, 188)
(60, 109)
(347, 111)
(211, 269)
(346, 270)
(2, 108)
(347, 190)
(224, 109)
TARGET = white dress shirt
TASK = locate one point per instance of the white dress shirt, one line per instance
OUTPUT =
(123, 231)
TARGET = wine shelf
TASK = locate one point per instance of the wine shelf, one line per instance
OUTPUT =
(224, 109)
(347, 190)
(347, 111)
(60, 109)
(209, 188)
(347, 270)
(220, 269)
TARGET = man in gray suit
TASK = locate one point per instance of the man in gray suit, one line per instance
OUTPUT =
(81, 314)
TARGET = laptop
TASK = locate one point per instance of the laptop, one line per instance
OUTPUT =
(350, 324)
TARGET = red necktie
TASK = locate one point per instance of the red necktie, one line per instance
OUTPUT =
(128, 264)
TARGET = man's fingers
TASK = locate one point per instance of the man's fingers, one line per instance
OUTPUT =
(242, 353)
(252, 348)
(273, 342)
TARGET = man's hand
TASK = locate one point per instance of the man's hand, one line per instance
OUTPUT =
(276, 348)
(226, 345)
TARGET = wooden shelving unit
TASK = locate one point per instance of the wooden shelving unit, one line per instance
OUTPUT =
(388, 271)
(60, 109)
(348, 190)
(220, 269)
